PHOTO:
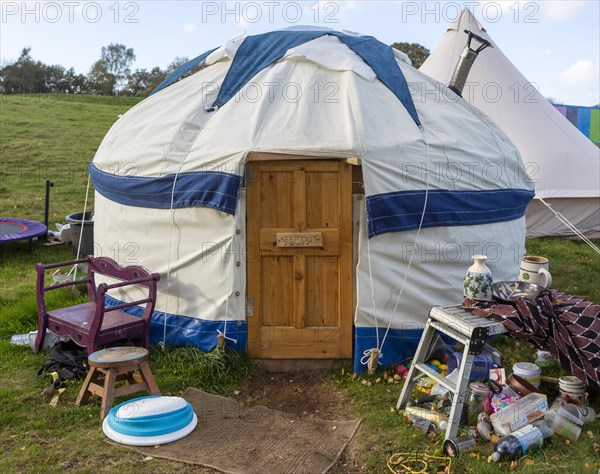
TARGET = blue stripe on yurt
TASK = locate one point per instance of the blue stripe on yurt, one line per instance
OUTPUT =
(187, 331)
(214, 189)
(400, 345)
(259, 51)
(181, 71)
(402, 210)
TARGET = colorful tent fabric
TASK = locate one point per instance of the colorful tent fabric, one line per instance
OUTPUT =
(586, 119)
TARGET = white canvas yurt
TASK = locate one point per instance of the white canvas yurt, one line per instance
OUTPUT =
(563, 163)
(303, 196)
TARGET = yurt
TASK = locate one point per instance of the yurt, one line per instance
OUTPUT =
(564, 164)
(304, 196)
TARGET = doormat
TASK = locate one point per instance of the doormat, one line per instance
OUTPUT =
(234, 438)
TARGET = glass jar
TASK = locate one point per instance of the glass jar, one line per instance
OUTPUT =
(477, 401)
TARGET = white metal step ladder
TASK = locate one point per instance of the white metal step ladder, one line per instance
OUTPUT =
(472, 331)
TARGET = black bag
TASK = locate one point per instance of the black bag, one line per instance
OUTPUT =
(68, 360)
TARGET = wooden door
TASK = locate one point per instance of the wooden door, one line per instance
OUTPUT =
(299, 223)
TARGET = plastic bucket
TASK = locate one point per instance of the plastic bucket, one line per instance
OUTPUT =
(84, 226)
(530, 372)
(482, 363)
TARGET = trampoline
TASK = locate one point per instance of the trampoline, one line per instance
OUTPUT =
(13, 229)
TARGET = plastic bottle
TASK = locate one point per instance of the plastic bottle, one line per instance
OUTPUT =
(430, 415)
(20, 339)
(427, 426)
(420, 423)
(572, 418)
(516, 444)
(566, 428)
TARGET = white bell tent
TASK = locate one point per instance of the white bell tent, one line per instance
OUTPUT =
(564, 163)
(297, 196)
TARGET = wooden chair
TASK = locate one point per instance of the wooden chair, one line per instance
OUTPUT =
(93, 324)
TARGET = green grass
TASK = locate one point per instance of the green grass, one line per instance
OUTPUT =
(55, 137)
(217, 371)
(574, 266)
(51, 137)
(385, 432)
(38, 438)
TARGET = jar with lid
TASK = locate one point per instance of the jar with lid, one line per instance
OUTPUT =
(477, 401)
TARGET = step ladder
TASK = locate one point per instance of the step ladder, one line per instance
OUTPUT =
(472, 331)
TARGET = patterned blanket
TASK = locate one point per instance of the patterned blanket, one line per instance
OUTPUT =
(565, 325)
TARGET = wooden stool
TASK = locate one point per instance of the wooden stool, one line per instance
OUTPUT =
(109, 366)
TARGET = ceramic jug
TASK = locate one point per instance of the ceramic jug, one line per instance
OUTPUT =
(534, 269)
(478, 280)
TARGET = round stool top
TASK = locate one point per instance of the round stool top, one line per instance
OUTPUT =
(118, 355)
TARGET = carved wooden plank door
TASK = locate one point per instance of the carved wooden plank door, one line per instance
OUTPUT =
(299, 223)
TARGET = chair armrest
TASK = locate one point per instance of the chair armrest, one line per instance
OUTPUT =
(64, 264)
(127, 305)
(154, 277)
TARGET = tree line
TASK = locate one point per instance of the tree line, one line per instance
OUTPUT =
(111, 74)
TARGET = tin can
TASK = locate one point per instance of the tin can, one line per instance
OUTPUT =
(454, 447)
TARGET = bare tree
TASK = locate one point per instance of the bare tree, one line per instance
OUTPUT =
(109, 73)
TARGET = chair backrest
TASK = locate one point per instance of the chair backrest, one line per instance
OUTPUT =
(107, 266)
(130, 275)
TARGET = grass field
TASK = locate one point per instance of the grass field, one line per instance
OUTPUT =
(50, 137)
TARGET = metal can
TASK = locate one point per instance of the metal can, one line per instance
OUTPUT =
(454, 447)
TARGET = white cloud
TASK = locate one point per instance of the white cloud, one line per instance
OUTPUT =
(543, 54)
(582, 73)
(561, 11)
(189, 28)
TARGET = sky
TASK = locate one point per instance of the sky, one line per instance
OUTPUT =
(555, 44)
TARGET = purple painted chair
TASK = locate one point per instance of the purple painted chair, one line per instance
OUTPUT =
(93, 324)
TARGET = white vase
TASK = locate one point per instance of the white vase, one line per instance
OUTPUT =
(478, 280)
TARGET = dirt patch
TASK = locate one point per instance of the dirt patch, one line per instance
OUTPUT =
(299, 393)
(310, 393)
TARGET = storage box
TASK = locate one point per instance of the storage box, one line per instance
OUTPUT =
(522, 412)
